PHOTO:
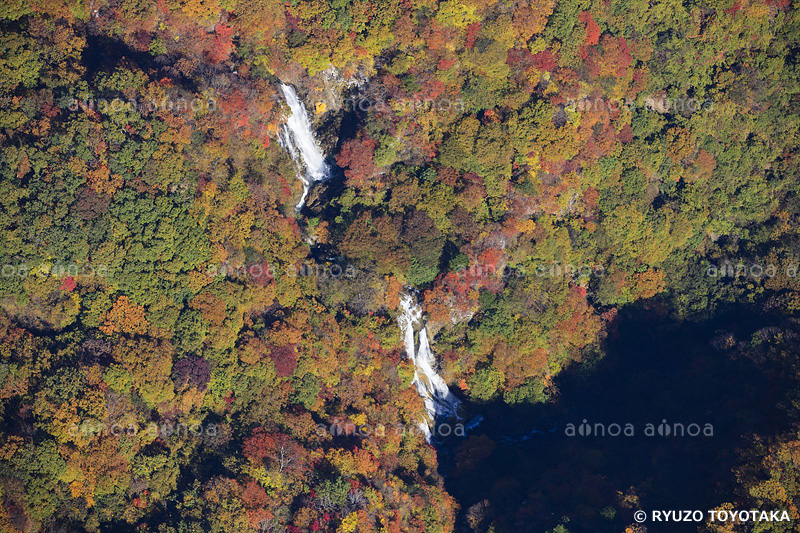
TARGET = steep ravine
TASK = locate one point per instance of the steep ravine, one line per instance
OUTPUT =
(297, 138)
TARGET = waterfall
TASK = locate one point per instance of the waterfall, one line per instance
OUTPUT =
(298, 139)
(439, 401)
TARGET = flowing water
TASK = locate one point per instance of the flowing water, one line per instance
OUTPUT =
(439, 401)
(298, 139)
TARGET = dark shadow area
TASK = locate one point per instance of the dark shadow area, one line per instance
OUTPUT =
(532, 476)
(321, 201)
(351, 119)
(322, 198)
(104, 54)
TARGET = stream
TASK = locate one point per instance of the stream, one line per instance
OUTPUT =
(297, 138)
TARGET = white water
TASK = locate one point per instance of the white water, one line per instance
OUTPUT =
(439, 401)
(296, 137)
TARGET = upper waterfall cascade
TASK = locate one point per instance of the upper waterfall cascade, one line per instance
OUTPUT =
(297, 137)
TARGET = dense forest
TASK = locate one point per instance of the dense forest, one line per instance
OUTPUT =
(182, 350)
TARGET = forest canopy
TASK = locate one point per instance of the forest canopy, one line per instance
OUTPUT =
(180, 348)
